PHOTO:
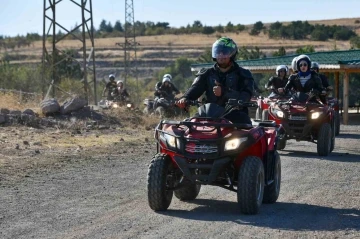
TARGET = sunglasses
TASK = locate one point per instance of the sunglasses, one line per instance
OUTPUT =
(301, 65)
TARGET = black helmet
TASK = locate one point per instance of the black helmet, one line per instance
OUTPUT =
(224, 47)
(314, 65)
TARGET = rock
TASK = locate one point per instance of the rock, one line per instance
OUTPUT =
(146, 140)
(4, 111)
(37, 151)
(49, 106)
(2, 119)
(15, 112)
(30, 120)
(17, 146)
(37, 144)
(26, 142)
(73, 105)
(29, 112)
(122, 139)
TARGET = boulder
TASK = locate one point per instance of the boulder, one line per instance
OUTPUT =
(73, 104)
(49, 106)
(4, 111)
(29, 112)
(2, 119)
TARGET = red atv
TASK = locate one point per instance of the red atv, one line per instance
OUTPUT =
(304, 118)
(263, 103)
(211, 150)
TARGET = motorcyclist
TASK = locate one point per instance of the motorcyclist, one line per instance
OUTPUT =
(305, 80)
(120, 91)
(166, 88)
(324, 80)
(279, 81)
(110, 87)
(293, 65)
(225, 80)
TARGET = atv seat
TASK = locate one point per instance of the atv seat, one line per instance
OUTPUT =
(265, 123)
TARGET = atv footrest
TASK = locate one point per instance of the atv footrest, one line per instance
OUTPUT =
(265, 123)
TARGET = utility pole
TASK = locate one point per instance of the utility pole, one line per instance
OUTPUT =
(53, 55)
(130, 44)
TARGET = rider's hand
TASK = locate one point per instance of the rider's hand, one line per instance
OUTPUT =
(281, 90)
(181, 103)
(323, 92)
(329, 88)
(217, 90)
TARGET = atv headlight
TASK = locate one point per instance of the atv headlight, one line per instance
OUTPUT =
(280, 114)
(128, 105)
(115, 106)
(315, 115)
(233, 144)
(171, 141)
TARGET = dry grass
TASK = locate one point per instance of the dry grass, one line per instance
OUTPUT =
(12, 101)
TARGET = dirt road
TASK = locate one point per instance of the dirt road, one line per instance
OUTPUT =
(100, 192)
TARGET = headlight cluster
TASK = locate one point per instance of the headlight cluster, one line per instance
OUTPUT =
(279, 113)
(233, 144)
(315, 115)
(170, 140)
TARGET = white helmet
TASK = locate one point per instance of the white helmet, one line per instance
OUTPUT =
(112, 76)
(166, 79)
(293, 64)
(281, 67)
(119, 81)
(168, 76)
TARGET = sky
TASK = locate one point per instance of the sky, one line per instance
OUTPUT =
(26, 16)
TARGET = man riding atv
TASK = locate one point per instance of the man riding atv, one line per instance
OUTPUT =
(166, 88)
(279, 81)
(120, 93)
(324, 80)
(305, 80)
(110, 87)
(225, 80)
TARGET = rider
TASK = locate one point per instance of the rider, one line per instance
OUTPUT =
(293, 65)
(225, 80)
(121, 90)
(110, 86)
(165, 88)
(324, 80)
(305, 80)
(278, 81)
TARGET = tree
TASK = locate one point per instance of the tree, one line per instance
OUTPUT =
(305, 49)
(206, 57)
(103, 26)
(219, 28)
(355, 42)
(229, 27)
(197, 24)
(280, 52)
(258, 26)
(245, 54)
(118, 27)
(208, 30)
(319, 35)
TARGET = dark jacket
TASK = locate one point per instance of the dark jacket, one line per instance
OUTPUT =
(276, 82)
(324, 80)
(313, 83)
(237, 83)
(167, 92)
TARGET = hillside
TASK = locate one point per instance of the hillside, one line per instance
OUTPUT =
(156, 52)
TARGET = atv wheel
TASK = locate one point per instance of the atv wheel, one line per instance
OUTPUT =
(188, 192)
(333, 129)
(258, 113)
(324, 140)
(272, 191)
(158, 181)
(160, 111)
(250, 188)
(281, 143)
(265, 115)
(337, 123)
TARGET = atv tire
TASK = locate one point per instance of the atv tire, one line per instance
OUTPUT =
(160, 111)
(188, 192)
(258, 114)
(250, 186)
(159, 197)
(324, 140)
(272, 191)
(281, 143)
(265, 115)
(337, 123)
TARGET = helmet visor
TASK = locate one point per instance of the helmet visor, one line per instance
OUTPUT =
(222, 51)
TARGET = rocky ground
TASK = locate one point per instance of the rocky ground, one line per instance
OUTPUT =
(80, 181)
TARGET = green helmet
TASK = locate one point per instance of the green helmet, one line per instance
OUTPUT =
(224, 47)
